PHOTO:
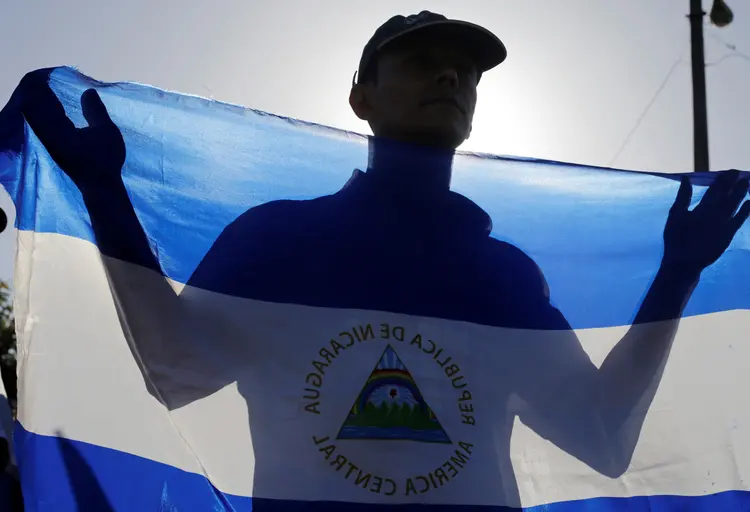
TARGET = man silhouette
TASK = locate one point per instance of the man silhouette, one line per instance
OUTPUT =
(396, 239)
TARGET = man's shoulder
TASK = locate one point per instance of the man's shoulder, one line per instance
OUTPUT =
(286, 215)
(263, 240)
(507, 252)
(516, 266)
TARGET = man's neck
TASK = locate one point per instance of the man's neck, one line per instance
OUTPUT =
(407, 166)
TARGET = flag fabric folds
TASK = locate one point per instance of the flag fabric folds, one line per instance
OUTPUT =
(298, 337)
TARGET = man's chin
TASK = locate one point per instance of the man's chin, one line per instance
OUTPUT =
(442, 136)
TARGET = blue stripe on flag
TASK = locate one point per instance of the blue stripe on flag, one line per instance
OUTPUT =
(194, 165)
(58, 476)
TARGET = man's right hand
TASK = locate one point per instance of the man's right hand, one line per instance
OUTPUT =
(92, 156)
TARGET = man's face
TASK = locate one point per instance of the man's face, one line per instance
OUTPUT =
(424, 92)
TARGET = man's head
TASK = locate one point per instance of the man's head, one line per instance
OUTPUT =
(417, 80)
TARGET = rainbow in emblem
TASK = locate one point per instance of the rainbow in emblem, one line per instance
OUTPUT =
(390, 406)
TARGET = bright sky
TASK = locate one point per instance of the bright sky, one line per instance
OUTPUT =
(579, 76)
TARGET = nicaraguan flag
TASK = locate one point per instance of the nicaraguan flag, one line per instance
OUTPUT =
(335, 340)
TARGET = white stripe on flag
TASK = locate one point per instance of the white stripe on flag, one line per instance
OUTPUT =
(79, 377)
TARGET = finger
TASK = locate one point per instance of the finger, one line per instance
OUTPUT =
(717, 192)
(45, 114)
(684, 195)
(94, 110)
(736, 195)
(738, 220)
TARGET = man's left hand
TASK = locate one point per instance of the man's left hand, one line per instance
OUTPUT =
(695, 239)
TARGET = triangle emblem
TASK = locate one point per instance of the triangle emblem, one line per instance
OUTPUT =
(390, 406)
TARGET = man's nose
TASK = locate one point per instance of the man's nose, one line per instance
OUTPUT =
(448, 76)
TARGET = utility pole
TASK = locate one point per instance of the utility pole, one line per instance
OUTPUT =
(720, 16)
(700, 114)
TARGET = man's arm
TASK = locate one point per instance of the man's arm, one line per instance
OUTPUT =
(596, 415)
(156, 323)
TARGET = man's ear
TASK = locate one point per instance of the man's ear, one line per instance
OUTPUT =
(360, 102)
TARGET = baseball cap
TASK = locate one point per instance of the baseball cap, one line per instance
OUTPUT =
(487, 49)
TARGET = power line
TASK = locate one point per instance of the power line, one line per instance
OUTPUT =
(645, 111)
(738, 55)
(711, 34)
(734, 53)
(730, 46)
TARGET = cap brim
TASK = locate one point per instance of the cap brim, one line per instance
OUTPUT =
(485, 47)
